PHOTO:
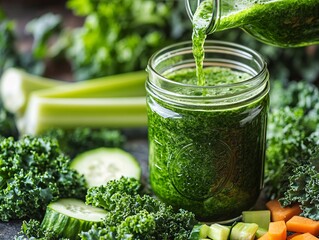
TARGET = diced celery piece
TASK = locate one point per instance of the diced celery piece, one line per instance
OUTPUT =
(218, 232)
(260, 217)
(260, 232)
(199, 232)
(243, 231)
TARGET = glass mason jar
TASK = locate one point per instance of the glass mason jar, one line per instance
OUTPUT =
(283, 23)
(207, 143)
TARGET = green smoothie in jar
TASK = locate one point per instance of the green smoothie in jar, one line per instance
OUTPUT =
(207, 143)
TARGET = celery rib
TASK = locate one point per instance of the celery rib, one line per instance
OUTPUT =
(45, 113)
(17, 85)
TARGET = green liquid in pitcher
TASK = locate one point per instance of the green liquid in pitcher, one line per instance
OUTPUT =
(284, 23)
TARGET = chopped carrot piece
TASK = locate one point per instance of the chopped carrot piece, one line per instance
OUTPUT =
(305, 236)
(303, 225)
(292, 236)
(279, 213)
(264, 237)
(277, 230)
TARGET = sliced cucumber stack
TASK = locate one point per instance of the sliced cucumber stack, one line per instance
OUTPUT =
(103, 164)
(68, 217)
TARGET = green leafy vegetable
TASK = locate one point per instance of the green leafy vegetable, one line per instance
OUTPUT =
(134, 216)
(42, 29)
(291, 169)
(81, 139)
(34, 172)
(119, 39)
(291, 137)
(33, 230)
(7, 124)
(304, 188)
(9, 56)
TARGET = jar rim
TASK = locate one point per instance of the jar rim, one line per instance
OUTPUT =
(246, 90)
(218, 45)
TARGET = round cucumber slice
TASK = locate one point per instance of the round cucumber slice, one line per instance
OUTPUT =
(103, 164)
(68, 217)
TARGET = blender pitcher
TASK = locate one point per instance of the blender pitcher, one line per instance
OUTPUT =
(283, 23)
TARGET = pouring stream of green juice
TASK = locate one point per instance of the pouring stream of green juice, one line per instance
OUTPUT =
(282, 23)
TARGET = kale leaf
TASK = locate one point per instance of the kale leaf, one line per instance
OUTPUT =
(135, 216)
(292, 142)
(34, 172)
(304, 188)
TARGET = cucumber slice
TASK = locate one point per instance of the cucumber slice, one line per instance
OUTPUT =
(218, 232)
(199, 232)
(243, 231)
(68, 217)
(103, 164)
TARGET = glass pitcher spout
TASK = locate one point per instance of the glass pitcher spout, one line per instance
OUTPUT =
(283, 23)
(192, 6)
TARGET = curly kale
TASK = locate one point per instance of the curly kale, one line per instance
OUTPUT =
(304, 189)
(105, 196)
(135, 216)
(81, 139)
(32, 229)
(292, 135)
(34, 172)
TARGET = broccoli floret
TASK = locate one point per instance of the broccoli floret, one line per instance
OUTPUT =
(135, 216)
(81, 139)
(304, 189)
(34, 172)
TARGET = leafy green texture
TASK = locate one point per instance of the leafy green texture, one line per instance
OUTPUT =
(42, 29)
(32, 229)
(81, 139)
(132, 216)
(7, 124)
(105, 196)
(34, 172)
(8, 53)
(119, 39)
(291, 167)
(304, 189)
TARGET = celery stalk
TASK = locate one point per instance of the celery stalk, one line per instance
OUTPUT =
(16, 86)
(122, 85)
(116, 101)
(45, 113)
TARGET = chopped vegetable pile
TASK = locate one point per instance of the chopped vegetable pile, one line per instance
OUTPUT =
(129, 215)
